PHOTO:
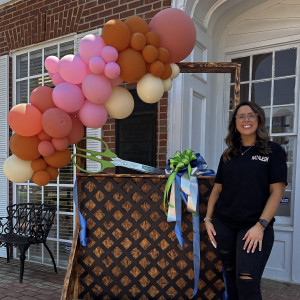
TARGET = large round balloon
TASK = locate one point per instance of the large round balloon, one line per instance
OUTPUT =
(77, 131)
(136, 24)
(116, 34)
(59, 159)
(25, 147)
(132, 65)
(96, 88)
(91, 46)
(120, 104)
(176, 31)
(25, 119)
(41, 98)
(93, 115)
(56, 123)
(68, 97)
(52, 63)
(150, 89)
(16, 169)
(72, 69)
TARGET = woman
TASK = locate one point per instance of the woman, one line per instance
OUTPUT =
(249, 185)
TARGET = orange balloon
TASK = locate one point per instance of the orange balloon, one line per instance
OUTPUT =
(138, 41)
(136, 24)
(116, 34)
(25, 119)
(38, 165)
(60, 144)
(53, 172)
(157, 68)
(132, 65)
(77, 131)
(150, 54)
(24, 147)
(167, 73)
(41, 98)
(163, 55)
(59, 159)
(152, 39)
(41, 178)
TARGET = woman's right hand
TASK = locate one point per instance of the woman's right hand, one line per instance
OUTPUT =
(211, 232)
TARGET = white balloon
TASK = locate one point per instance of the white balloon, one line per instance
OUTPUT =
(167, 84)
(16, 169)
(150, 88)
(175, 71)
(120, 104)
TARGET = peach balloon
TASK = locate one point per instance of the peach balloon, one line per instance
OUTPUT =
(152, 39)
(38, 164)
(132, 65)
(157, 68)
(41, 178)
(53, 172)
(46, 148)
(77, 131)
(150, 54)
(163, 55)
(41, 98)
(116, 34)
(59, 159)
(167, 72)
(25, 147)
(176, 31)
(25, 119)
(61, 143)
(136, 24)
(138, 41)
(43, 136)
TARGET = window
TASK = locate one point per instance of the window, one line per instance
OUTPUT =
(28, 73)
(269, 79)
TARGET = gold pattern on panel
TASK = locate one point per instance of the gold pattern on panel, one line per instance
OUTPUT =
(126, 262)
(154, 234)
(154, 216)
(162, 282)
(172, 254)
(90, 224)
(163, 244)
(144, 281)
(116, 270)
(108, 186)
(97, 270)
(118, 215)
(91, 242)
(172, 273)
(90, 205)
(118, 196)
(126, 243)
(108, 224)
(97, 289)
(88, 261)
(163, 263)
(210, 275)
(126, 224)
(108, 242)
(171, 292)
(145, 206)
(127, 187)
(181, 264)
(210, 255)
(153, 272)
(125, 280)
(144, 262)
(136, 215)
(117, 233)
(99, 196)
(146, 187)
(145, 243)
(134, 290)
(135, 253)
(145, 225)
(127, 206)
(209, 294)
(164, 226)
(190, 274)
(107, 261)
(98, 251)
(154, 253)
(88, 279)
(135, 272)
(155, 197)
(117, 252)
(115, 290)
(108, 205)
(153, 291)
(135, 234)
(99, 214)
(136, 197)
(99, 233)
(181, 283)
(190, 255)
(90, 186)
(107, 280)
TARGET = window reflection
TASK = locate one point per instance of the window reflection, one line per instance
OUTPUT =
(284, 91)
(36, 61)
(261, 93)
(283, 120)
(245, 66)
(262, 66)
(285, 62)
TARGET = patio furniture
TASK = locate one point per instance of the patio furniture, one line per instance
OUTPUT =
(26, 224)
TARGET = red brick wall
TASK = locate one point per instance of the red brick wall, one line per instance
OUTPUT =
(28, 22)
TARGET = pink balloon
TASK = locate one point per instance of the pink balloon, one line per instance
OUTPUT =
(93, 115)
(117, 81)
(96, 65)
(109, 54)
(56, 79)
(112, 70)
(72, 69)
(77, 131)
(96, 88)
(43, 136)
(46, 148)
(60, 144)
(68, 97)
(90, 46)
(176, 31)
(51, 64)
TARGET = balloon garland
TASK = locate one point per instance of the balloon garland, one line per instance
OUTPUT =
(87, 89)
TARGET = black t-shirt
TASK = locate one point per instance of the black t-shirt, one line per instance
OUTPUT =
(245, 183)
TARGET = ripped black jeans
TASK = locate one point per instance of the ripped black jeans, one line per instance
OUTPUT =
(243, 271)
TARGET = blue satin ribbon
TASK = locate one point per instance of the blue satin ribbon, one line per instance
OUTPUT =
(83, 232)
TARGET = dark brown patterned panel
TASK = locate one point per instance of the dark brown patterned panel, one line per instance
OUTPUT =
(133, 252)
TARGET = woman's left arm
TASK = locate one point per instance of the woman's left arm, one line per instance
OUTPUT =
(254, 235)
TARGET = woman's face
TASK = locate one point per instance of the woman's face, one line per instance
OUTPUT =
(246, 122)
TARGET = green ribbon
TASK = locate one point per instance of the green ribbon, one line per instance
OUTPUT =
(178, 161)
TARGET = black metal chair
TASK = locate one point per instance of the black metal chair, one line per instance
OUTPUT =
(26, 224)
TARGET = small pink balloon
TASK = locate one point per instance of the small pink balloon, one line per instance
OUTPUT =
(68, 97)
(117, 81)
(56, 79)
(112, 70)
(109, 54)
(51, 64)
(46, 148)
(90, 46)
(96, 65)
(72, 69)
(60, 144)
(96, 88)
(43, 136)
(93, 115)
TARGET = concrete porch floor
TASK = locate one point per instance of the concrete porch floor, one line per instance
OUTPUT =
(40, 282)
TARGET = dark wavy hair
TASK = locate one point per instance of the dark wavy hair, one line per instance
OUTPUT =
(233, 139)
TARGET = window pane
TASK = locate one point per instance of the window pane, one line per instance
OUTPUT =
(53, 231)
(50, 195)
(48, 81)
(35, 194)
(66, 48)
(66, 227)
(52, 246)
(261, 93)
(245, 65)
(288, 143)
(21, 193)
(35, 252)
(63, 254)
(262, 66)
(22, 65)
(21, 91)
(66, 199)
(48, 52)
(284, 91)
(36, 62)
(34, 83)
(283, 119)
(284, 208)
(285, 62)
(267, 111)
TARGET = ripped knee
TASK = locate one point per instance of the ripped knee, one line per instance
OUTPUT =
(228, 260)
(245, 276)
